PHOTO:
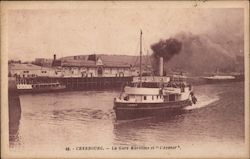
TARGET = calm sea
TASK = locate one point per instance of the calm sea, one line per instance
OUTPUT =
(55, 121)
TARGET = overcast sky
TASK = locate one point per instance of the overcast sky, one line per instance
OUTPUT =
(110, 29)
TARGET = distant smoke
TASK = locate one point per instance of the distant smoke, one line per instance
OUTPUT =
(166, 49)
(200, 53)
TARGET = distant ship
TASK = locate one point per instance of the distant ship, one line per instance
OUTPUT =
(39, 87)
(153, 96)
(219, 78)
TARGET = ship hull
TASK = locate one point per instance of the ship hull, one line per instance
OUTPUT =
(40, 90)
(127, 111)
(214, 81)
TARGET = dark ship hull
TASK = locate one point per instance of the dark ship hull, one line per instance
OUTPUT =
(127, 111)
(41, 90)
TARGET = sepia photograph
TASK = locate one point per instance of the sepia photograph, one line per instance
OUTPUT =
(125, 79)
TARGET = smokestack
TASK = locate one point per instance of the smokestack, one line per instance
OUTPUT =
(161, 66)
(54, 57)
(165, 49)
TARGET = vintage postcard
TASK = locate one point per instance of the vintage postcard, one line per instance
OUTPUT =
(125, 79)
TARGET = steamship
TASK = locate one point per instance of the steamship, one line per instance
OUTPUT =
(40, 87)
(220, 78)
(153, 95)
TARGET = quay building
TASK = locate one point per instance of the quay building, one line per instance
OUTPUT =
(75, 66)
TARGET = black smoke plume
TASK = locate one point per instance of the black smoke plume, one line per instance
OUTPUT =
(201, 54)
(166, 49)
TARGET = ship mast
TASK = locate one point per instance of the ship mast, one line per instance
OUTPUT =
(141, 59)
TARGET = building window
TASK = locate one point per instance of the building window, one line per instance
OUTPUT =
(145, 97)
(172, 97)
(25, 71)
(44, 71)
(152, 97)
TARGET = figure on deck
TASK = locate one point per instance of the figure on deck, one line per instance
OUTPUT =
(193, 98)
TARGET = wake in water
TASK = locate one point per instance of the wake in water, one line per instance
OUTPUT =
(203, 101)
(117, 122)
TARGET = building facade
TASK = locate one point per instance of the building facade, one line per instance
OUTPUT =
(94, 68)
(31, 70)
(82, 66)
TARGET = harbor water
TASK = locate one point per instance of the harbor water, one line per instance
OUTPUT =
(55, 121)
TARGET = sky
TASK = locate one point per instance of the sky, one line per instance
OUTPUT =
(111, 28)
